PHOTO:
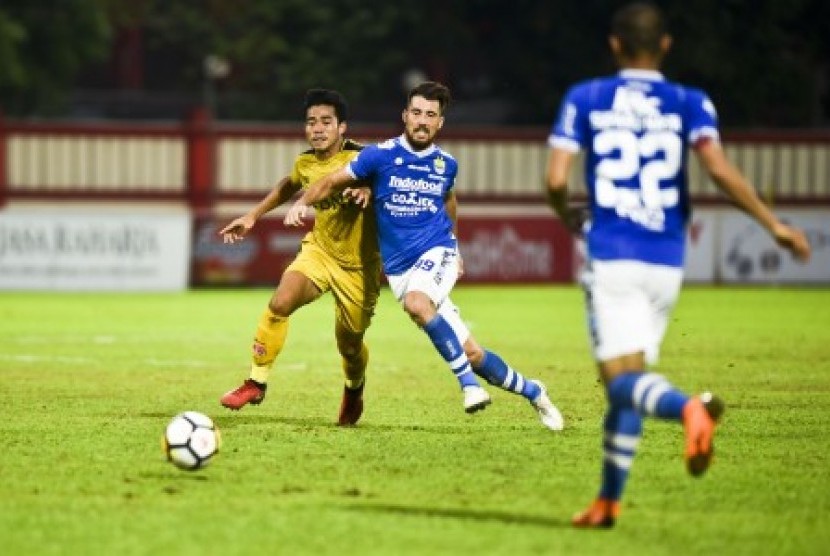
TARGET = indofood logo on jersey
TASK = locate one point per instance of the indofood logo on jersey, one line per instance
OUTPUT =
(420, 185)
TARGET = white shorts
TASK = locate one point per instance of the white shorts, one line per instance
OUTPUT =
(434, 274)
(628, 305)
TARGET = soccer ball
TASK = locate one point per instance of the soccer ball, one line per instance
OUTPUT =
(191, 440)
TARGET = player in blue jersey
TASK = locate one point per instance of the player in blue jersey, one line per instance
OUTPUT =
(412, 182)
(636, 129)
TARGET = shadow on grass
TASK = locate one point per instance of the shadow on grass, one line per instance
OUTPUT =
(459, 513)
(227, 420)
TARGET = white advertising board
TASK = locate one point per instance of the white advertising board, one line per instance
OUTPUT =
(51, 250)
(749, 255)
(701, 242)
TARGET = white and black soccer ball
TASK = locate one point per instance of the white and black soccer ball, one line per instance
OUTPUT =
(191, 440)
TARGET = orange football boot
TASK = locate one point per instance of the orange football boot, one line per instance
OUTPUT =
(601, 513)
(700, 415)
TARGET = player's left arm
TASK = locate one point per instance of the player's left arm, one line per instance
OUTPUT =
(732, 182)
(317, 191)
(451, 206)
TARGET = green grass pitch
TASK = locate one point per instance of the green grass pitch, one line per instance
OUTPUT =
(89, 381)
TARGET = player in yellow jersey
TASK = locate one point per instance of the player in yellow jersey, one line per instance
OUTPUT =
(340, 254)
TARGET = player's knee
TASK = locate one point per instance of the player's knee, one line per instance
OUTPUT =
(419, 307)
(281, 306)
(349, 348)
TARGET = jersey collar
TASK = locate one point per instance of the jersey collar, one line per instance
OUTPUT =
(405, 144)
(650, 75)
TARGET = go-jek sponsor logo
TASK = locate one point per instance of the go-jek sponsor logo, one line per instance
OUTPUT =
(419, 185)
(412, 202)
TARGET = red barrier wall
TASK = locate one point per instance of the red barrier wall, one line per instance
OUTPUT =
(503, 249)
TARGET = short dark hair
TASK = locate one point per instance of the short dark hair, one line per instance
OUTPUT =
(329, 97)
(431, 90)
(639, 28)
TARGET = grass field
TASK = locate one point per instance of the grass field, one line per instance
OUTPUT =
(88, 382)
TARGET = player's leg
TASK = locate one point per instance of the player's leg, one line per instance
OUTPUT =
(421, 290)
(615, 307)
(355, 293)
(355, 358)
(628, 321)
(651, 394)
(492, 368)
(296, 288)
(621, 435)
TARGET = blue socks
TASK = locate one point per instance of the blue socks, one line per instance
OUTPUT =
(622, 429)
(648, 393)
(632, 396)
(494, 370)
(446, 342)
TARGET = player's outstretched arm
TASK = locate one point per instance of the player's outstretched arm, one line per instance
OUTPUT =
(317, 191)
(730, 180)
(361, 196)
(239, 227)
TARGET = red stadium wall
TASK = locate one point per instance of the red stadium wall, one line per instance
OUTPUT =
(495, 249)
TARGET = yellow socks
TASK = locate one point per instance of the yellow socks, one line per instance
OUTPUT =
(355, 368)
(270, 337)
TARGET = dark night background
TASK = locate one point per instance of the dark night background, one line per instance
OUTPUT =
(765, 63)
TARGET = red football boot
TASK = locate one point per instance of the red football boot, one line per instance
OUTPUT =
(251, 392)
(351, 407)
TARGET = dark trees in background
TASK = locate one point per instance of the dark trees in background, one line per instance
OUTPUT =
(764, 62)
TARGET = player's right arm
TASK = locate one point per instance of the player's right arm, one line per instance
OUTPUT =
(567, 138)
(559, 165)
(730, 180)
(317, 191)
(238, 228)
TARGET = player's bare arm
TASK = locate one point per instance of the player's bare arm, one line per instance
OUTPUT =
(361, 196)
(556, 187)
(319, 190)
(239, 227)
(730, 180)
(451, 206)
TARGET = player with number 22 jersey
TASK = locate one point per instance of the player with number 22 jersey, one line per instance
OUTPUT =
(636, 128)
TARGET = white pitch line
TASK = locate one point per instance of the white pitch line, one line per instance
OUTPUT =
(32, 358)
(175, 363)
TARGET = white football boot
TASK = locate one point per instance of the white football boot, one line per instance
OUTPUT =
(550, 416)
(476, 398)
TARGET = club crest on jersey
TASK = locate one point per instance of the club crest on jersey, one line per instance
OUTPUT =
(439, 165)
(631, 101)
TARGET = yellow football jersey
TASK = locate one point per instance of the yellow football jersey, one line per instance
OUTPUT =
(341, 228)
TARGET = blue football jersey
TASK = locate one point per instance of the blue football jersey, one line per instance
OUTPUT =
(408, 190)
(636, 128)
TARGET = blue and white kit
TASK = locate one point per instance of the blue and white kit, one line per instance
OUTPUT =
(417, 244)
(408, 189)
(636, 128)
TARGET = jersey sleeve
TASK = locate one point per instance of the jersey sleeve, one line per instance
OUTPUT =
(702, 118)
(569, 131)
(295, 172)
(452, 173)
(364, 164)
